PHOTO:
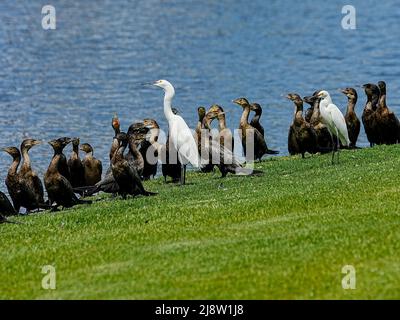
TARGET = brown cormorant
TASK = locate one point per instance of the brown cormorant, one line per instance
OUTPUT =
(302, 137)
(352, 122)
(149, 149)
(255, 139)
(369, 116)
(255, 121)
(58, 187)
(116, 126)
(201, 112)
(34, 195)
(77, 172)
(225, 134)
(62, 163)
(388, 123)
(13, 182)
(92, 166)
(124, 172)
(6, 208)
(324, 139)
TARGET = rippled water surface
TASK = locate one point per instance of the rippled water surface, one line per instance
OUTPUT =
(70, 81)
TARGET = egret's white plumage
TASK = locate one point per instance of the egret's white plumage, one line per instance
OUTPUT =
(333, 118)
(180, 135)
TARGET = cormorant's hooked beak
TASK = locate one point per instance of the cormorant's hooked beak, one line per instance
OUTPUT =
(343, 91)
(37, 142)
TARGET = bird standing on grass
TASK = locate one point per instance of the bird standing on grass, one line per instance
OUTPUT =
(388, 123)
(369, 113)
(250, 136)
(58, 187)
(352, 121)
(75, 166)
(333, 118)
(302, 137)
(93, 167)
(124, 172)
(179, 133)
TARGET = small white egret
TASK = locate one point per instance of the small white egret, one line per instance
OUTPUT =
(333, 118)
(180, 135)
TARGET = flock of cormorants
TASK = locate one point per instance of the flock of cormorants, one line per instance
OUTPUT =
(65, 179)
(310, 133)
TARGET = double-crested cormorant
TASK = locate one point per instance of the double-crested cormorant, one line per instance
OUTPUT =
(203, 135)
(76, 170)
(124, 173)
(225, 134)
(13, 182)
(255, 122)
(6, 208)
(309, 112)
(116, 126)
(58, 187)
(302, 137)
(170, 167)
(34, 195)
(62, 163)
(369, 117)
(352, 121)
(108, 184)
(136, 137)
(201, 112)
(251, 137)
(149, 150)
(333, 118)
(92, 166)
(388, 123)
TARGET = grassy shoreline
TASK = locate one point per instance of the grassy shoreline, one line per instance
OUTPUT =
(284, 235)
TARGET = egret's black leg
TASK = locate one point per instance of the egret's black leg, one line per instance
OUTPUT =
(333, 147)
(184, 174)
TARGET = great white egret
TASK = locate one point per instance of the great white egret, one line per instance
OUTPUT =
(333, 118)
(179, 133)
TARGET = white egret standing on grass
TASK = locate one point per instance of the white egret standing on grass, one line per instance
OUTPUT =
(180, 135)
(333, 118)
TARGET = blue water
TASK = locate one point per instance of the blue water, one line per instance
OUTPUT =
(70, 81)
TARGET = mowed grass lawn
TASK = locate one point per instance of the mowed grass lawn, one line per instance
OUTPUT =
(285, 235)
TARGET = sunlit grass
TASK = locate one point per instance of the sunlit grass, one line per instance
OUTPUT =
(284, 235)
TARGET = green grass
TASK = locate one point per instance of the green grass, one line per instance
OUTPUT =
(285, 235)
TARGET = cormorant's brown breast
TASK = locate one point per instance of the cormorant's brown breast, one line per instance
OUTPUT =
(58, 188)
(302, 137)
(369, 116)
(34, 197)
(255, 121)
(352, 122)
(77, 172)
(92, 167)
(124, 173)
(248, 132)
(388, 123)
(13, 183)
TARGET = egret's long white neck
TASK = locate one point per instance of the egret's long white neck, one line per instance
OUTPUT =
(325, 101)
(169, 95)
